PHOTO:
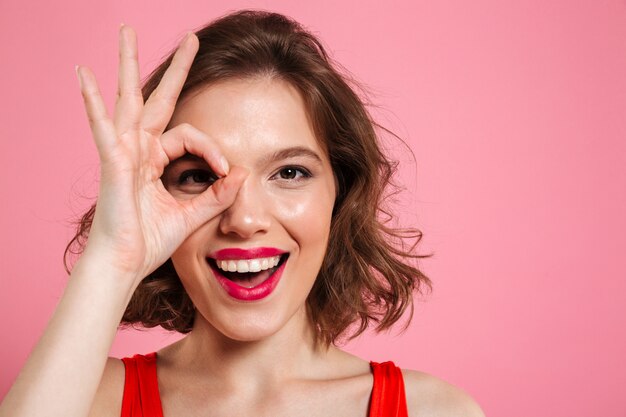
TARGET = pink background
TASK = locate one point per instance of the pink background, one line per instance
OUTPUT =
(516, 112)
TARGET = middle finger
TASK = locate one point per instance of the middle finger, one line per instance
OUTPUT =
(129, 98)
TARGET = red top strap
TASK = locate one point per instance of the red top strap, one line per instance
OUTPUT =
(142, 399)
(141, 388)
(388, 397)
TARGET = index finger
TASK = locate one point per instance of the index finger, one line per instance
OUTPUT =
(185, 138)
(160, 105)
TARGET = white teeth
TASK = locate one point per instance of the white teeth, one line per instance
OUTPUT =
(255, 265)
(243, 266)
(248, 265)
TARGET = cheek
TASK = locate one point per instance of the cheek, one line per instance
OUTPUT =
(185, 260)
(307, 217)
(313, 203)
(304, 210)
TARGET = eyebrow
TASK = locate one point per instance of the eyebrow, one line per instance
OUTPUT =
(296, 151)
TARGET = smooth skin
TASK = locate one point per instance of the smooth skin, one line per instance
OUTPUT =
(246, 366)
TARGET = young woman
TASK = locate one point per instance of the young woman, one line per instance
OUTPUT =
(239, 203)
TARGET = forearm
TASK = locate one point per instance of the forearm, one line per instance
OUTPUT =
(137, 226)
(64, 369)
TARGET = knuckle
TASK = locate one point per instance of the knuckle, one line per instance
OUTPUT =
(167, 100)
(186, 128)
(152, 131)
(133, 93)
(94, 119)
(89, 95)
(86, 95)
(130, 54)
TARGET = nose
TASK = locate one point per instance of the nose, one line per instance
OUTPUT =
(248, 215)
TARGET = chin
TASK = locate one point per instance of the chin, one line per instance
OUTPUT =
(244, 327)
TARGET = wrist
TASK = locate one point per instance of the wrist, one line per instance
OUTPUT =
(109, 258)
(102, 272)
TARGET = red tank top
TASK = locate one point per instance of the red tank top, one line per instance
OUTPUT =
(141, 390)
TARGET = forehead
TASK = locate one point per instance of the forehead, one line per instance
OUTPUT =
(254, 114)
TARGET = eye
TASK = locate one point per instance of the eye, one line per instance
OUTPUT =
(292, 173)
(196, 178)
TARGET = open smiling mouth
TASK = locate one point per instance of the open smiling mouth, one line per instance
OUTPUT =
(249, 279)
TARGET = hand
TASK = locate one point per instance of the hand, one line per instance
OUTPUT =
(137, 223)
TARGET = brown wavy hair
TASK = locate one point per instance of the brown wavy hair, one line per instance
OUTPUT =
(369, 273)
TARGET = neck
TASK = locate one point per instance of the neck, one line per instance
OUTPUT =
(290, 353)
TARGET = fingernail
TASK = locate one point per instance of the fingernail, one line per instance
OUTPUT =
(225, 166)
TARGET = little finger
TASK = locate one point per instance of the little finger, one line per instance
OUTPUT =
(101, 126)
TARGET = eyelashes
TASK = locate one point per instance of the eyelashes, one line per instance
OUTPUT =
(292, 173)
(179, 181)
(205, 176)
(192, 177)
(196, 180)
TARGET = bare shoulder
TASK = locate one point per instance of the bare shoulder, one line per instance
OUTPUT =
(428, 396)
(108, 400)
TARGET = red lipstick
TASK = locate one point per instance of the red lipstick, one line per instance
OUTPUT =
(238, 253)
(257, 292)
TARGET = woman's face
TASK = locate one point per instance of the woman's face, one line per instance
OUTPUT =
(282, 212)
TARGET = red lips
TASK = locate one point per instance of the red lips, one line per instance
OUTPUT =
(257, 292)
(238, 253)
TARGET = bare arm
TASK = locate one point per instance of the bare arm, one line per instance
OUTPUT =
(137, 226)
(63, 371)
(108, 400)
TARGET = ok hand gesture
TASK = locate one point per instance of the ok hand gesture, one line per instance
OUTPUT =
(137, 223)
